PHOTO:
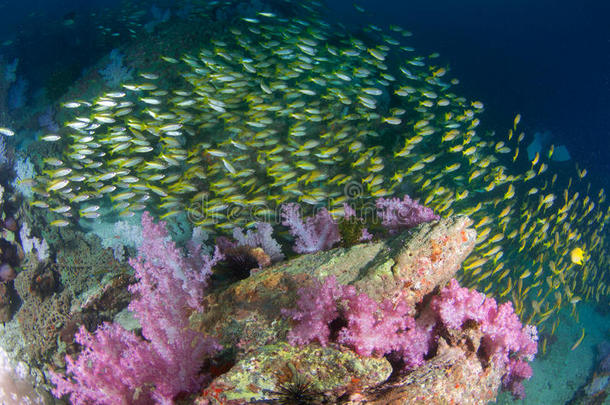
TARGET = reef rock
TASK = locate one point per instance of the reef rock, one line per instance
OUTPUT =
(410, 266)
(5, 303)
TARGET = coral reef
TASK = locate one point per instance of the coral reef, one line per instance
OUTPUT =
(261, 238)
(248, 252)
(115, 72)
(10, 254)
(6, 302)
(58, 290)
(377, 322)
(32, 244)
(319, 232)
(378, 286)
(168, 362)
(397, 214)
(83, 262)
(40, 317)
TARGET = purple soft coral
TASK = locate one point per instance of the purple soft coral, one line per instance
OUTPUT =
(161, 267)
(372, 328)
(387, 328)
(111, 348)
(397, 214)
(319, 232)
(316, 310)
(506, 341)
(261, 238)
(169, 360)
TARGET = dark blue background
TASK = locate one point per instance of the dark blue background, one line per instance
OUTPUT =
(548, 60)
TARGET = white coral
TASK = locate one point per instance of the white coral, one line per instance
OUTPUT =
(31, 243)
(118, 236)
(24, 169)
(16, 383)
(115, 73)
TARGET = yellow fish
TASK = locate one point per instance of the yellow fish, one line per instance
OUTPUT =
(510, 192)
(60, 223)
(516, 154)
(536, 158)
(579, 341)
(577, 256)
(516, 121)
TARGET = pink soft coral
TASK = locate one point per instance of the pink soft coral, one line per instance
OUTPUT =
(397, 214)
(504, 333)
(319, 232)
(116, 366)
(316, 309)
(114, 362)
(506, 341)
(261, 238)
(372, 328)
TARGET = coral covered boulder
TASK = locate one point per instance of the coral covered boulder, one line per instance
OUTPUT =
(326, 328)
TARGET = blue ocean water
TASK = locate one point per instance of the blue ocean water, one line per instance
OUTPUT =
(548, 60)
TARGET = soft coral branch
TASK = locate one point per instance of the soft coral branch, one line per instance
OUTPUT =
(397, 214)
(116, 366)
(372, 328)
(319, 232)
(383, 328)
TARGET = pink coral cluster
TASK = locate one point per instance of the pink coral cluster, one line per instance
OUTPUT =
(319, 232)
(117, 367)
(114, 362)
(374, 328)
(261, 238)
(316, 309)
(397, 214)
(506, 341)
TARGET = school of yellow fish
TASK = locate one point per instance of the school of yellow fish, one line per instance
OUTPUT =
(294, 109)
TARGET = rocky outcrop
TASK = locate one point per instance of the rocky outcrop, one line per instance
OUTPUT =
(410, 266)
